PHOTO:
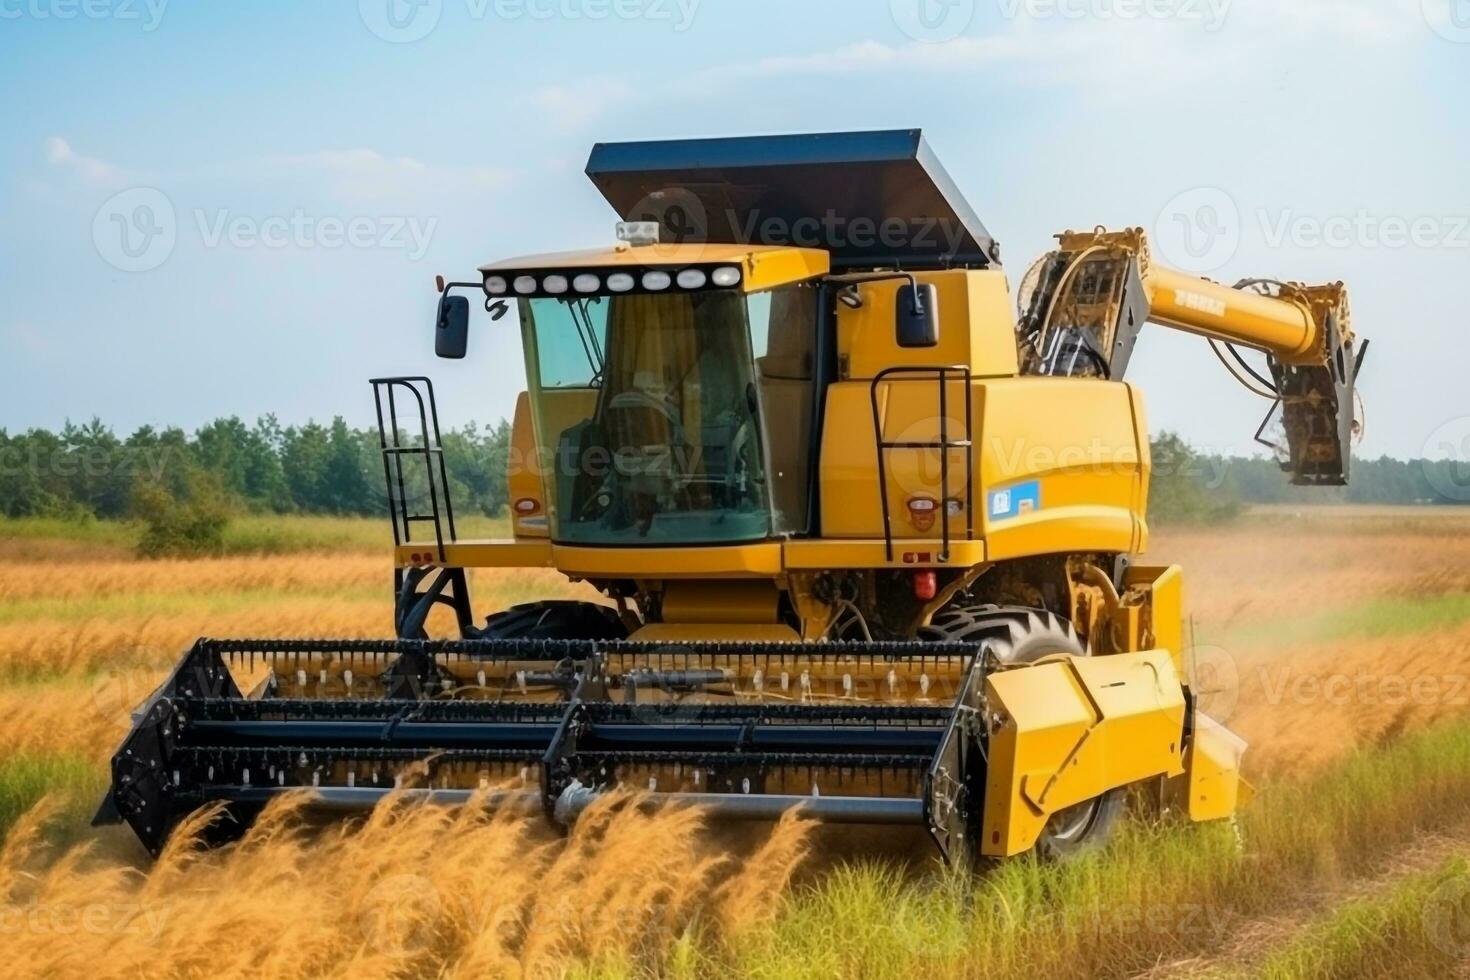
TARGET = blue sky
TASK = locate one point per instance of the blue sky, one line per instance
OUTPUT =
(316, 164)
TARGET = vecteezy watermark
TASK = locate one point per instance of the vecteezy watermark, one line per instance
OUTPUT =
(1210, 13)
(138, 230)
(933, 21)
(406, 21)
(147, 13)
(1364, 229)
(1450, 19)
(1446, 917)
(1282, 685)
(401, 21)
(1199, 230)
(303, 230)
(1446, 458)
(93, 919)
(683, 220)
(1214, 677)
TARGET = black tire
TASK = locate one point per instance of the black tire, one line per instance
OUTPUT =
(555, 620)
(1024, 636)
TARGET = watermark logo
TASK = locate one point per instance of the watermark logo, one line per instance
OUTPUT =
(681, 217)
(933, 21)
(139, 229)
(407, 21)
(1446, 917)
(1364, 229)
(1215, 681)
(1446, 458)
(1199, 230)
(1210, 13)
(136, 230)
(401, 21)
(302, 230)
(1450, 19)
(147, 13)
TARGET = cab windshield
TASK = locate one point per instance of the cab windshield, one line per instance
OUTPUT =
(653, 407)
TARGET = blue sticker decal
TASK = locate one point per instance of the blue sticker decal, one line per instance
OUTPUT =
(1023, 498)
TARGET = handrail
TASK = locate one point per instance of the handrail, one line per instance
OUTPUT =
(394, 452)
(945, 445)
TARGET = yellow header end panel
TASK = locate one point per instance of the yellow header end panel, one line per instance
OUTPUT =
(1072, 729)
(1212, 783)
(976, 326)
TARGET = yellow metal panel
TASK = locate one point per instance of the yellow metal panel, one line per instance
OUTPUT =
(849, 462)
(1075, 443)
(1058, 530)
(1212, 778)
(826, 553)
(526, 553)
(977, 327)
(524, 477)
(1072, 729)
(769, 268)
(1165, 607)
(725, 561)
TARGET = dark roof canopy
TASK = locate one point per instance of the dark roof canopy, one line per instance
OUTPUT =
(871, 199)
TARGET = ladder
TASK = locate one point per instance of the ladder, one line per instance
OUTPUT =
(942, 376)
(398, 448)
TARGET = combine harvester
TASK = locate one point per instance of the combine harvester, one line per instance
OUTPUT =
(866, 539)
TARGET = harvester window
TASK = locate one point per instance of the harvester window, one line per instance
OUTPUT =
(654, 407)
(783, 327)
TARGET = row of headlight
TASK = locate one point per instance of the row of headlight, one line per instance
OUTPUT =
(654, 281)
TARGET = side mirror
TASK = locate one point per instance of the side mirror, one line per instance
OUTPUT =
(452, 332)
(918, 316)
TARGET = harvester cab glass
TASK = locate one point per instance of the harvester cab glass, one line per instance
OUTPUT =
(658, 407)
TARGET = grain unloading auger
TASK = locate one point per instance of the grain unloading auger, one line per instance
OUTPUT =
(866, 541)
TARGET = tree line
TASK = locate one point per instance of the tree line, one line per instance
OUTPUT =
(230, 466)
(88, 470)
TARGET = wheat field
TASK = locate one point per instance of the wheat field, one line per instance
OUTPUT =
(1337, 644)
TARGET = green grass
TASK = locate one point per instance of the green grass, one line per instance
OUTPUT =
(1163, 891)
(116, 534)
(1374, 619)
(254, 534)
(73, 781)
(1415, 929)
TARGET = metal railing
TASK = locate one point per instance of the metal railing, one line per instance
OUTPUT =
(944, 446)
(396, 449)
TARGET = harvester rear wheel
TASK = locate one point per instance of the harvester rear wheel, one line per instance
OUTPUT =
(555, 620)
(1023, 636)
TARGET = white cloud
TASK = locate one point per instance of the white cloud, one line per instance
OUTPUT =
(1047, 42)
(365, 174)
(577, 103)
(61, 156)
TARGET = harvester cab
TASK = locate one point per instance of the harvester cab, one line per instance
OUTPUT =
(865, 539)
